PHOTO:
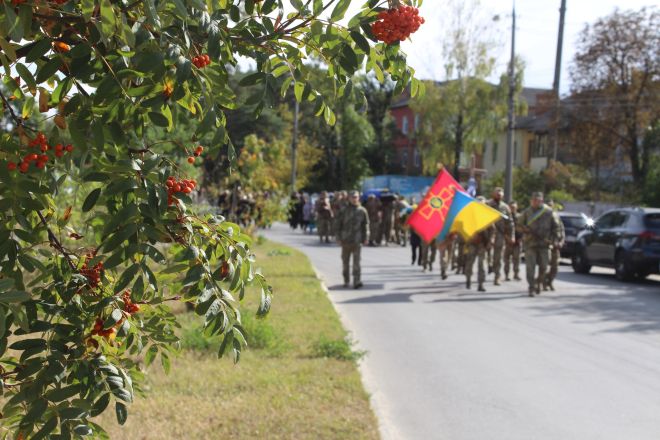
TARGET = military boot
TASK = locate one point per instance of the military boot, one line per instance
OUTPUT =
(550, 286)
(531, 291)
(467, 283)
(443, 275)
(481, 287)
(516, 277)
(497, 281)
(506, 277)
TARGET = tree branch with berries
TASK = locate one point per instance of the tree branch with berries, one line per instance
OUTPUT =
(98, 226)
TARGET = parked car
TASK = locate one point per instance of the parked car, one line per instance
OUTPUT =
(626, 239)
(573, 224)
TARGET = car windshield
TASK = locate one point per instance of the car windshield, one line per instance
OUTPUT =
(652, 221)
(574, 222)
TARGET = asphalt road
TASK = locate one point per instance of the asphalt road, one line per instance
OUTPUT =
(444, 362)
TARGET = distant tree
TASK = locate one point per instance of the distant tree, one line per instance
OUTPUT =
(378, 96)
(618, 60)
(460, 113)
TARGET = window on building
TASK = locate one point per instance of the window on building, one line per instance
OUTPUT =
(404, 158)
(495, 147)
(404, 125)
(540, 146)
(418, 159)
(416, 123)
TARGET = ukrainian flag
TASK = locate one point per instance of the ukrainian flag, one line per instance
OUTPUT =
(467, 216)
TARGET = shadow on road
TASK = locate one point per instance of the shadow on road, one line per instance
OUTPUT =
(366, 286)
(629, 307)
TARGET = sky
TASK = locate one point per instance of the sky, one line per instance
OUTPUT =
(536, 35)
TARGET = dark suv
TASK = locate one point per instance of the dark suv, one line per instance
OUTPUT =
(573, 224)
(626, 239)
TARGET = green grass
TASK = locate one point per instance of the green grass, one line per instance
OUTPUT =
(298, 379)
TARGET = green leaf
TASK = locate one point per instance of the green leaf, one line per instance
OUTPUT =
(46, 429)
(122, 412)
(6, 284)
(38, 50)
(361, 41)
(159, 119)
(340, 10)
(27, 76)
(48, 70)
(100, 405)
(91, 199)
(13, 296)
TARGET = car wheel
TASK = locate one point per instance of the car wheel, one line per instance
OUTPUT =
(622, 268)
(580, 262)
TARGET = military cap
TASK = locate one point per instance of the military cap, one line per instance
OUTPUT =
(354, 193)
(498, 189)
(537, 195)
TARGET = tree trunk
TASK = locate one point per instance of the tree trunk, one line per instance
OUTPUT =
(458, 147)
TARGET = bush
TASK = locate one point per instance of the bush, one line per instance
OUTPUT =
(341, 349)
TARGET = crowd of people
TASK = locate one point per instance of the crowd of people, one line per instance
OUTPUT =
(537, 233)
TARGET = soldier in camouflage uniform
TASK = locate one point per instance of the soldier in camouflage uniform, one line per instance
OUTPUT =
(373, 206)
(540, 229)
(555, 251)
(476, 249)
(445, 251)
(387, 219)
(337, 204)
(324, 216)
(400, 230)
(428, 255)
(459, 254)
(352, 232)
(504, 230)
(512, 250)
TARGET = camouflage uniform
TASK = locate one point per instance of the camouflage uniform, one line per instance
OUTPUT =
(445, 251)
(352, 230)
(512, 251)
(504, 229)
(459, 254)
(324, 217)
(539, 227)
(373, 206)
(428, 255)
(388, 220)
(400, 230)
(476, 249)
(337, 204)
(555, 253)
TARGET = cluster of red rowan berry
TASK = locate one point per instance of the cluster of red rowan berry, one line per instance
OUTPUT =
(397, 24)
(40, 160)
(185, 186)
(105, 332)
(198, 151)
(129, 306)
(93, 273)
(201, 61)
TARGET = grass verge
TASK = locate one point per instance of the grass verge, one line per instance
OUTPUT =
(299, 379)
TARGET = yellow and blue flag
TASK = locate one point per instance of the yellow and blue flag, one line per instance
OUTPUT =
(467, 216)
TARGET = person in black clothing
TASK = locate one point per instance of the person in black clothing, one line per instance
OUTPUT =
(416, 243)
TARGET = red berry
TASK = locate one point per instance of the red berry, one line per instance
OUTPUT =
(59, 153)
(11, 166)
(69, 148)
(23, 167)
(191, 159)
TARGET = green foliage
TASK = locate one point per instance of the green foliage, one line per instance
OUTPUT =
(85, 287)
(357, 135)
(651, 193)
(340, 349)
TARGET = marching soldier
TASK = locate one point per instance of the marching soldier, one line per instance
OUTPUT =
(512, 249)
(400, 230)
(476, 249)
(373, 206)
(428, 255)
(337, 204)
(504, 229)
(445, 251)
(555, 251)
(324, 217)
(388, 218)
(352, 231)
(539, 227)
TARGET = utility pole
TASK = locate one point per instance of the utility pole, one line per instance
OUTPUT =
(508, 187)
(555, 84)
(294, 145)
